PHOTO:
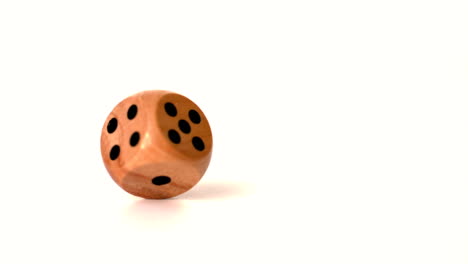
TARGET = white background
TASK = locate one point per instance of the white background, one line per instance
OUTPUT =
(340, 130)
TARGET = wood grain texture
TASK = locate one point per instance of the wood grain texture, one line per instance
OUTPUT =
(168, 135)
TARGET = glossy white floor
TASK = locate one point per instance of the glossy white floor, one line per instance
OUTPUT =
(340, 130)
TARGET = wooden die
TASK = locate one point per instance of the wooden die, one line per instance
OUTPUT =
(156, 144)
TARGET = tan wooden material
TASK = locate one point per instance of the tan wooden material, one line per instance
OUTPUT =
(158, 155)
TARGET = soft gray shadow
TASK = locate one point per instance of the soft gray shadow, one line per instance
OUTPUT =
(164, 214)
(155, 213)
(216, 190)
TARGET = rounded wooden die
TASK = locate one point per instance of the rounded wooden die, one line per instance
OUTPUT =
(156, 144)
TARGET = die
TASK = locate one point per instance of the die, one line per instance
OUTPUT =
(156, 144)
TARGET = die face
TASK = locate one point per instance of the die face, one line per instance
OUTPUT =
(161, 180)
(185, 127)
(140, 152)
(123, 133)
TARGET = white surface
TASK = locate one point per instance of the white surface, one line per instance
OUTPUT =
(340, 130)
